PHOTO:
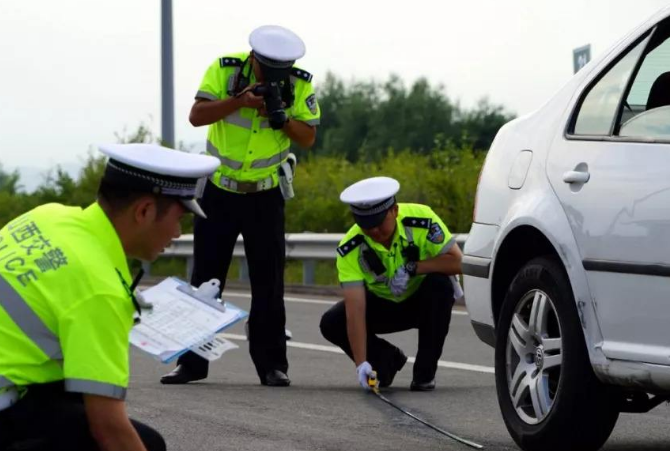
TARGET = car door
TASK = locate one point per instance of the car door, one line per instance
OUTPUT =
(610, 169)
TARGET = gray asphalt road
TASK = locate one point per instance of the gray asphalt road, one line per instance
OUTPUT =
(324, 409)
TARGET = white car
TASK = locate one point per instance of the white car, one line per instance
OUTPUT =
(567, 265)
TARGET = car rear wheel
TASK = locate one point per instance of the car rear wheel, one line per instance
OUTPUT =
(548, 394)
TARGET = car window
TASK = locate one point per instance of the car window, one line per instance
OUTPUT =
(649, 125)
(655, 64)
(646, 114)
(598, 110)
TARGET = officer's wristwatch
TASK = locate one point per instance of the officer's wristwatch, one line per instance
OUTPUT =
(410, 267)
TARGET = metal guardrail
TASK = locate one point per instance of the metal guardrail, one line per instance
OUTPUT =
(308, 247)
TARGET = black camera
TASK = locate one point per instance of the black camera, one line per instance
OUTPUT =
(272, 96)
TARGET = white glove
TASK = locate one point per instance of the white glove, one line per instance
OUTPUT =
(398, 284)
(364, 371)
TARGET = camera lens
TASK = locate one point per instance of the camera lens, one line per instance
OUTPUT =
(273, 104)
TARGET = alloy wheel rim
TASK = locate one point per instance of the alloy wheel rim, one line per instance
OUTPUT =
(533, 357)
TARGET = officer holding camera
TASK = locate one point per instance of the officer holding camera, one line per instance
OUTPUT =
(256, 103)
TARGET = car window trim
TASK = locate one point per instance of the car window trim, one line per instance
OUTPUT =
(615, 129)
(570, 126)
(617, 139)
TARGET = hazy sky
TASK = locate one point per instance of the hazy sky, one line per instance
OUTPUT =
(73, 72)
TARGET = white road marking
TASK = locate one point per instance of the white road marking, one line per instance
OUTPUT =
(336, 350)
(238, 294)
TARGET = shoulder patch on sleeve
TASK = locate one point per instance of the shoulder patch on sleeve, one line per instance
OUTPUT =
(350, 245)
(300, 73)
(436, 234)
(311, 104)
(421, 223)
(226, 61)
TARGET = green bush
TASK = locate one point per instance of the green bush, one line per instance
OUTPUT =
(363, 126)
(445, 180)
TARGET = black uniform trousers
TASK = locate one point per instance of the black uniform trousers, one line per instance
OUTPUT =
(429, 310)
(259, 217)
(49, 419)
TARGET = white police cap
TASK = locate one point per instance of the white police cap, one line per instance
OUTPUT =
(276, 46)
(370, 199)
(159, 170)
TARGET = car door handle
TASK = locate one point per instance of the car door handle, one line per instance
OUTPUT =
(576, 177)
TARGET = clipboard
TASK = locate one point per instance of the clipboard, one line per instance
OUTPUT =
(184, 318)
(206, 293)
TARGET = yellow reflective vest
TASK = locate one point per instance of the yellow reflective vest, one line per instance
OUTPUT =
(65, 305)
(248, 148)
(417, 224)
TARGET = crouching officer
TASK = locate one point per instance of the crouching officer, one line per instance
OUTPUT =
(256, 104)
(396, 267)
(67, 304)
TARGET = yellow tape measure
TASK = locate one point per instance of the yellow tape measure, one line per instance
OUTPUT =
(373, 382)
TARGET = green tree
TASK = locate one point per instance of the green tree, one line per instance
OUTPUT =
(347, 129)
(9, 182)
(142, 134)
(479, 126)
(445, 179)
(366, 119)
(59, 186)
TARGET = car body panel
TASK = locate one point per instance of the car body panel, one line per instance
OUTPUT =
(619, 355)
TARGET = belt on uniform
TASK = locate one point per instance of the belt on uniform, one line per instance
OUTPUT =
(245, 187)
(8, 397)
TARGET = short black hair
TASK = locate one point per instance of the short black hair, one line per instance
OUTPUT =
(119, 198)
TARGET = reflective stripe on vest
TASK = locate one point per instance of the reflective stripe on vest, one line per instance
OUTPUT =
(267, 162)
(256, 164)
(236, 118)
(232, 164)
(205, 95)
(28, 321)
(96, 388)
(447, 247)
(34, 329)
(410, 234)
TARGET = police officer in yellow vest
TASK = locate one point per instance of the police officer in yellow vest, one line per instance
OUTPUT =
(397, 267)
(67, 304)
(255, 103)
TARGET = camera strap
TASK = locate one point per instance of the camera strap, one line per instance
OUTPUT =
(239, 81)
(411, 251)
(372, 260)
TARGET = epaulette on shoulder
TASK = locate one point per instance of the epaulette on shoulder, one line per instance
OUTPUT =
(421, 223)
(350, 245)
(302, 74)
(227, 61)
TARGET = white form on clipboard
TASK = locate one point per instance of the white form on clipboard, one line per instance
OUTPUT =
(181, 321)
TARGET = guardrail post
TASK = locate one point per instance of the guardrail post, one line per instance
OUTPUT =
(244, 270)
(189, 268)
(146, 267)
(308, 272)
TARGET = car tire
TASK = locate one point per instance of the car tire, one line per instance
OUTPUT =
(549, 396)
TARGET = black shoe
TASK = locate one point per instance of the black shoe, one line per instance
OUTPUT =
(398, 361)
(422, 386)
(181, 375)
(276, 378)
